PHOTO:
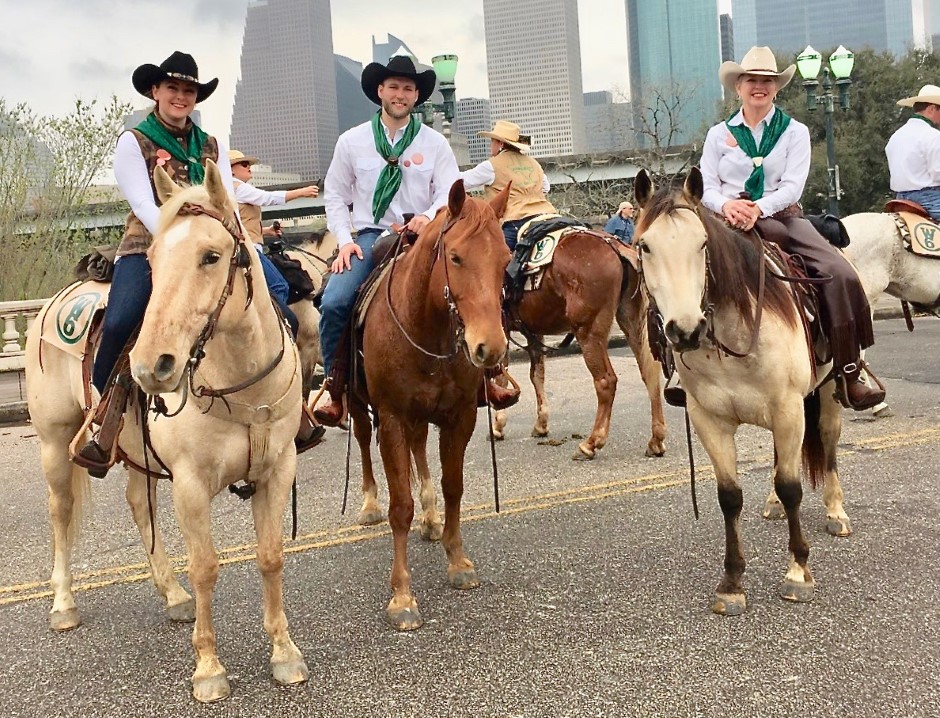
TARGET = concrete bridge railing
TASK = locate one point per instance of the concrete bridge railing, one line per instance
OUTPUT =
(16, 318)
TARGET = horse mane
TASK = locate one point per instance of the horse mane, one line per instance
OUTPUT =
(197, 194)
(734, 262)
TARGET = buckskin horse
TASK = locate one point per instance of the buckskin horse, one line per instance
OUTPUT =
(587, 285)
(714, 290)
(222, 361)
(432, 327)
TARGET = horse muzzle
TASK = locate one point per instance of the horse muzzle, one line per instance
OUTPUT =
(684, 339)
(487, 354)
(164, 376)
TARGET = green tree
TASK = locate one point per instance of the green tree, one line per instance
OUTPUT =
(47, 165)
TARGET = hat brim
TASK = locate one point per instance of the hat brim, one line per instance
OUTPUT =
(148, 75)
(249, 160)
(911, 101)
(729, 72)
(518, 145)
(375, 74)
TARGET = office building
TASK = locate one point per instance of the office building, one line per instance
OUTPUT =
(608, 125)
(533, 61)
(726, 31)
(352, 106)
(473, 115)
(285, 101)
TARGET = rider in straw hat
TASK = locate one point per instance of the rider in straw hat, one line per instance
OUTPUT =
(754, 168)
(914, 152)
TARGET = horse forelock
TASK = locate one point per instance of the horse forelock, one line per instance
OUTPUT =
(170, 209)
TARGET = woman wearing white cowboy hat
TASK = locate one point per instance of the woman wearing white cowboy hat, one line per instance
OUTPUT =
(914, 152)
(508, 163)
(754, 168)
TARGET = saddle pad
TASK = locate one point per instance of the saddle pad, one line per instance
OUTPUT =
(919, 235)
(370, 287)
(68, 315)
(544, 249)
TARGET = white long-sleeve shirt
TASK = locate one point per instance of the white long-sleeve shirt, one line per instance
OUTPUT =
(133, 179)
(914, 156)
(428, 166)
(249, 194)
(483, 175)
(726, 167)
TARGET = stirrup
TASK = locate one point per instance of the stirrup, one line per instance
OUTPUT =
(91, 456)
(675, 395)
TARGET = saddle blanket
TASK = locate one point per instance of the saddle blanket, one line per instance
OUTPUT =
(68, 315)
(920, 236)
(540, 255)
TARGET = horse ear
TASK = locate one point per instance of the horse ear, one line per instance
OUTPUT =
(643, 187)
(166, 187)
(456, 198)
(499, 202)
(694, 185)
(218, 194)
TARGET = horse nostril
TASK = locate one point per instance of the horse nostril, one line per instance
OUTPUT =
(480, 354)
(165, 366)
(699, 331)
(671, 333)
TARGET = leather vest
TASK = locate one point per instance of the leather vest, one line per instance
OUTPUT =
(525, 195)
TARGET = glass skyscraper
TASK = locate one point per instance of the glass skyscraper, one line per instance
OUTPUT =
(674, 54)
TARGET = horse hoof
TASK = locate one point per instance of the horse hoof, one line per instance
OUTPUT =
(729, 604)
(370, 518)
(431, 532)
(211, 688)
(184, 612)
(885, 412)
(64, 620)
(405, 619)
(773, 511)
(498, 435)
(290, 673)
(839, 527)
(655, 450)
(538, 433)
(464, 580)
(797, 592)
(583, 454)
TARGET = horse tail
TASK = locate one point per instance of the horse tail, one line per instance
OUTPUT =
(81, 490)
(814, 455)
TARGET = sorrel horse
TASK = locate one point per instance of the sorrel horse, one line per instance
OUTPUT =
(202, 329)
(588, 284)
(704, 280)
(884, 265)
(432, 327)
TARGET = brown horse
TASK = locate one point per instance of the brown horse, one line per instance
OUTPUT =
(583, 290)
(433, 326)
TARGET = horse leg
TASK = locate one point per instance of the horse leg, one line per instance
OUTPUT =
(191, 501)
(718, 439)
(593, 343)
(631, 317)
(267, 507)
(371, 512)
(430, 524)
(830, 428)
(402, 611)
(788, 428)
(179, 604)
(453, 446)
(67, 486)
(537, 377)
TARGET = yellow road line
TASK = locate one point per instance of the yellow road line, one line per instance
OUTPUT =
(328, 538)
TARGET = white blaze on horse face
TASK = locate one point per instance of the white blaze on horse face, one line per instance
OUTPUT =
(674, 268)
(179, 232)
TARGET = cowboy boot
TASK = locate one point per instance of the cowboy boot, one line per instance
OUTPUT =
(98, 455)
(853, 393)
(309, 433)
(333, 412)
(498, 397)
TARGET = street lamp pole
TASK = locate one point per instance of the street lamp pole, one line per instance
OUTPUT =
(445, 68)
(841, 62)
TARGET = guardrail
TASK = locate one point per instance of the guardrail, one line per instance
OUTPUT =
(16, 319)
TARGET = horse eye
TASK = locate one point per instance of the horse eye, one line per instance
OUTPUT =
(455, 260)
(644, 248)
(210, 258)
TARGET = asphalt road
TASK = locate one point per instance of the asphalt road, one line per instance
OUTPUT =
(596, 582)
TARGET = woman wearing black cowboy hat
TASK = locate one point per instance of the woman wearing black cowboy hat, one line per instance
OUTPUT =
(166, 138)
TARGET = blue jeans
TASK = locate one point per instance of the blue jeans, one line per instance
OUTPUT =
(929, 198)
(127, 302)
(340, 295)
(279, 290)
(511, 231)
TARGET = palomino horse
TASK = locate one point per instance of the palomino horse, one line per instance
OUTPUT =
(584, 288)
(432, 327)
(191, 339)
(884, 265)
(704, 280)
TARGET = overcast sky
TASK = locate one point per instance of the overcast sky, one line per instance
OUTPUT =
(54, 51)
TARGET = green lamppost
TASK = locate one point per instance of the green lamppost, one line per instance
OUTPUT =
(841, 62)
(445, 67)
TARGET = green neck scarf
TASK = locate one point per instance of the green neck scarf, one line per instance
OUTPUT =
(191, 155)
(921, 117)
(772, 132)
(390, 177)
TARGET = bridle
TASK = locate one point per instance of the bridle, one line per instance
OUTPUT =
(241, 259)
(457, 328)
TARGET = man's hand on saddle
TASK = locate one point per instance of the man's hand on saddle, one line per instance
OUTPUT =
(342, 260)
(412, 227)
(741, 213)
